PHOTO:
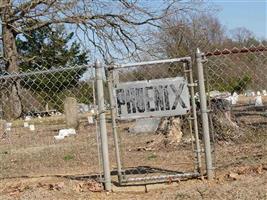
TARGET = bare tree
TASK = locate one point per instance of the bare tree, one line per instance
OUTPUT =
(182, 34)
(243, 37)
(112, 27)
(241, 34)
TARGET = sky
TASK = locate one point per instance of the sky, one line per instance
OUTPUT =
(251, 14)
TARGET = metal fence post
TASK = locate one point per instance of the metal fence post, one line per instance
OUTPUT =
(103, 128)
(114, 124)
(204, 115)
(194, 109)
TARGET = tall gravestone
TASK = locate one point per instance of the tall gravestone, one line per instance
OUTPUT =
(71, 112)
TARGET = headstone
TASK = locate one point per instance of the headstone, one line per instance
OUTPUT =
(90, 119)
(258, 101)
(234, 98)
(248, 93)
(92, 111)
(59, 137)
(26, 124)
(32, 127)
(264, 93)
(71, 112)
(214, 93)
(8, 126)
(83, 108)
(27, 118)
(65, 133)
(147, 125)
(46, 107)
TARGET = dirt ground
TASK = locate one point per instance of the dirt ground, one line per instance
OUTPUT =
(35, 166)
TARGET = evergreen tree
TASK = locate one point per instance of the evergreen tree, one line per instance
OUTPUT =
(51, 48)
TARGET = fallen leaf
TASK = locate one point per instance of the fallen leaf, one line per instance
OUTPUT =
(41, 185)
(233, 175)
(259, 169)
(91, 185)
(94, 186)
(56, 186)
(15, 193)
(16, 190)
(78, 187)
(250, 169)
(170, 181)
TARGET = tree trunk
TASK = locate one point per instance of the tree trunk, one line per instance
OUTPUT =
(171, 128)
(11, 103)
(169, 133)
(223, 122)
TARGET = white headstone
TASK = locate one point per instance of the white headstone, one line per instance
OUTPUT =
(258, 101)
(59, 137)
(264, 93)
(32, 127)
(26, 124)
(234, 98)
(27, 118)
(145, 126)
(90, 119)
(67, 132)
(8, 126)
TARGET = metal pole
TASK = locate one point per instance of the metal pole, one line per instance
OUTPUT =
(204, 115)
(155, 62)
(103, 128)
(114, 125)
(190, 118)
(192, 93)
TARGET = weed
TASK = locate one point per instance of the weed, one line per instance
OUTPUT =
(182, 196)
(68, 157)
(152, 157)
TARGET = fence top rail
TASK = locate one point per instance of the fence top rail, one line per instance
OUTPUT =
(236, 50)
(128, 65)
(30, 73)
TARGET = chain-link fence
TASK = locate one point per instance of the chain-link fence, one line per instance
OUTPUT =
(33, 92)
(35, 137)
(153, 126)
(236, 81)
(155, 140)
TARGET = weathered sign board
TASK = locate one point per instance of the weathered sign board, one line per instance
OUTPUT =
(153, 98)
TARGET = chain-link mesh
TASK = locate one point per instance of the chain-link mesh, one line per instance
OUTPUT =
(236, 83)
(37, 91)
(35, 139)
(156, 148)
(151, 148)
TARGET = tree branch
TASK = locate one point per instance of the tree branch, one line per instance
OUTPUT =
(24, 8)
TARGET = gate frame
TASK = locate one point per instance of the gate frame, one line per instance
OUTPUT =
(112, 79)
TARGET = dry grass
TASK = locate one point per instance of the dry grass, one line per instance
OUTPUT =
(36, 154)
(245, 100)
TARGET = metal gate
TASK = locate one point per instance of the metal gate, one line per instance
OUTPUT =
(139, 102)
